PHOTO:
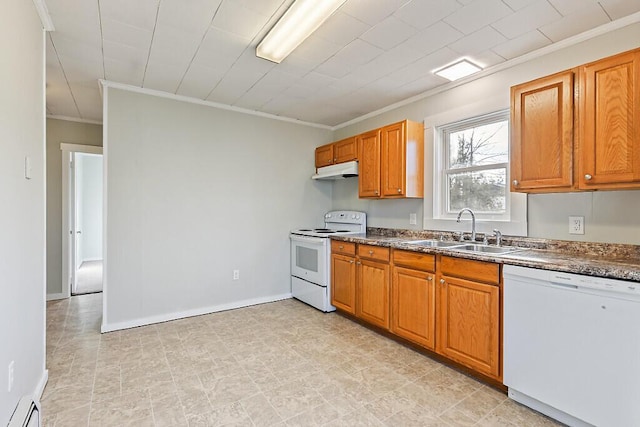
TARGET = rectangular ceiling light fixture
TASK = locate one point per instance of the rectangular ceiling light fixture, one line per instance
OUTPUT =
(458, 70)
(299, 21)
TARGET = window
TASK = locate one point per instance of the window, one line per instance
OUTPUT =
(475, 162)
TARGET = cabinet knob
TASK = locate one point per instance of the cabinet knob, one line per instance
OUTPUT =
(335, 160)
(351, 262)
(341, 247)
(442, 282)
(370, 252)
(376, 192)
(399, 190)
(588, 177)
(359, 263)
(430, 279)
(515, 182)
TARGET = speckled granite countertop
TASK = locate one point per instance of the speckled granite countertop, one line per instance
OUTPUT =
(616, 261)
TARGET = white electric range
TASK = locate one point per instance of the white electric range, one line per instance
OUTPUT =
(311, 256)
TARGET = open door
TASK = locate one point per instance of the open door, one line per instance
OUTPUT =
(81, 216)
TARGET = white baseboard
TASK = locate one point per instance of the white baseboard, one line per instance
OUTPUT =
(134, 323)
(51, 297)
(37, 393)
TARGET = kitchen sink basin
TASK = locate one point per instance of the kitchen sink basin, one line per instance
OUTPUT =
(497, 250)
(434, 243)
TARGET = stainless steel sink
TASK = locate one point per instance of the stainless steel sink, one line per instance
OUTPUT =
(434, 243)
(498, 250)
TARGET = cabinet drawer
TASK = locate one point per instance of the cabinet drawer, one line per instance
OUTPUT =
(346, 248)
(415, 260)
(373, 252)
(480, 271)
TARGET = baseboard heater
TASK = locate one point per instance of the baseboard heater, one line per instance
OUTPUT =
(27, 413)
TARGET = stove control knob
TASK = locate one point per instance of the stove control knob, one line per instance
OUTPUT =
(357, 216)
(327, 216)
(353, 216)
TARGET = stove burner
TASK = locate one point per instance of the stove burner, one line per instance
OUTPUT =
(343, 231)
(320, 230)
(324, 231)
(304, 229)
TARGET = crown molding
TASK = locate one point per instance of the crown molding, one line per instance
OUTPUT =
(152, 92)
(43, 13)
(73, 119)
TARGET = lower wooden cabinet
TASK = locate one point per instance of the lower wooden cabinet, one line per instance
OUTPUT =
(343, 279)
(373, 292)
(445, 304)
(469, 324)
(413, 306)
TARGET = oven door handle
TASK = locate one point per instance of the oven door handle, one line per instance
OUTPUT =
(308, 239)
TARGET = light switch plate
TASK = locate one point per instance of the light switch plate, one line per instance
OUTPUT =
(576, 225)
(413, 219)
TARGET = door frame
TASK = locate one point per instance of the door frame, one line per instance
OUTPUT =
(68, 211)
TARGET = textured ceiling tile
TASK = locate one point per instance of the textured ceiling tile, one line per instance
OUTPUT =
(617, 9)
(486, 59)
(194, 17)
(518, 4)
(139, 13)
(341, 28)
(125, 34)
(356, 53)
(527, 19)
(371, 11)
(123, 72)
(163, 75)
(477, 14)
(425, 66)
(481, 40)
(520, 45)
(199, 81)
(316, 50)
(234, 85)
(236, 19)
(125, 54)
(423, 13)
(389, 33)
(81, 71)
(568, 7)
(433, 38)
(89, 100)
(587, 18)
(76, 48)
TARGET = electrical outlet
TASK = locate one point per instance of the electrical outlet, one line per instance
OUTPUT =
(236, 274)
(10, 377)
(413, 220)
(576, 225)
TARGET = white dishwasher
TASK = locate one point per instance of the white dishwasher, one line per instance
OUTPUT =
(572, 346)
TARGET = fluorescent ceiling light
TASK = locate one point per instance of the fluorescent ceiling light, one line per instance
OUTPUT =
(299, 21)
(458, 70)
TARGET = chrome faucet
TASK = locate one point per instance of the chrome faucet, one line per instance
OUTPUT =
(473, 222)
(498, 237)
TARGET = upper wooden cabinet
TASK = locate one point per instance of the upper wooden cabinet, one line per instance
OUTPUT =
(345, 150)
(337, 152)
(610, 123)
(324, 155)
(542, 134)
(563, 139)
(392, 161)
(369, 164)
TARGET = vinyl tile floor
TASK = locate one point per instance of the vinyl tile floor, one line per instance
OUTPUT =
(280, 364)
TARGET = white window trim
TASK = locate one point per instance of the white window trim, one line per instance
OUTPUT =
(516, 226)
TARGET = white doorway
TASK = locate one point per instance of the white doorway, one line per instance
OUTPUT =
(82, 209)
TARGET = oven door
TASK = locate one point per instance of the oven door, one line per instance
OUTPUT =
(309, 258)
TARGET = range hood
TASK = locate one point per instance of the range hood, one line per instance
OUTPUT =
(339, 171)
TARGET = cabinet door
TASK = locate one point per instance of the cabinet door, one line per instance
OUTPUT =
(393, 157)
(343, 283)
(542, 134)
(369, 167)
(610, 118)
(469, 328)
(373, 293)
(324, 155)
(413, 307)
(345, 150)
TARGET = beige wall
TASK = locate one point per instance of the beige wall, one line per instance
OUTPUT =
(609, 216)
(59, 131)
(193, 193)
